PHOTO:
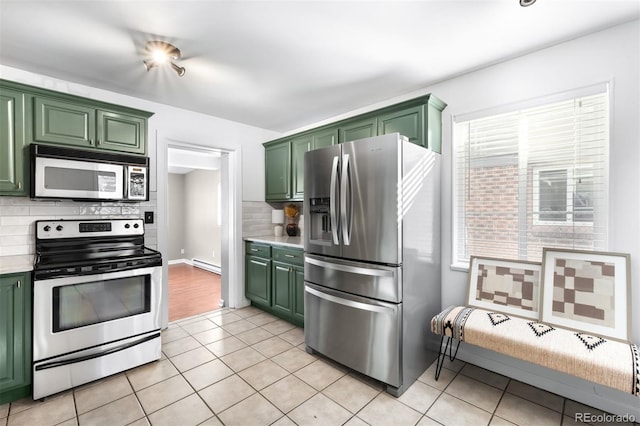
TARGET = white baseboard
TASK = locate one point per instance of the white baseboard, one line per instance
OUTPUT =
(207, 266)
(176, 261)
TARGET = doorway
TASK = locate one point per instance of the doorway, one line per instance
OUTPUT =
(230, 269)
(194, 225)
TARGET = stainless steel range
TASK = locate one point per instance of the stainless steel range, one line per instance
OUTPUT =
(97, 295)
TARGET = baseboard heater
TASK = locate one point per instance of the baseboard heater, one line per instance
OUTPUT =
(202, 264)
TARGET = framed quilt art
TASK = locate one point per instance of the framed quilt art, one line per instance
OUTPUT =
(587, 291)
(507, 286)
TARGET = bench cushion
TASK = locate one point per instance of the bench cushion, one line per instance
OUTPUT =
(607, 362)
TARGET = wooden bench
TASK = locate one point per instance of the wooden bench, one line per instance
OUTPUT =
(608, 362)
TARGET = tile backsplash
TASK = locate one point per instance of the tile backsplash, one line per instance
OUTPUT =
(19, 214)
(256, 219)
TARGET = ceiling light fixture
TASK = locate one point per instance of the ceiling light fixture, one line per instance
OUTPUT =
(161, 53)
(525, 3)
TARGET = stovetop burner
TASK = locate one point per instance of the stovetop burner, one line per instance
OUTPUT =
(83, 247)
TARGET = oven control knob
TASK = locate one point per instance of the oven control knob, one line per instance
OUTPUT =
(127, 226)
(46, 228)
(135, 225)
(59, 228)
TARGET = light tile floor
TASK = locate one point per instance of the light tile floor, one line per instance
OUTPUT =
(246, 367)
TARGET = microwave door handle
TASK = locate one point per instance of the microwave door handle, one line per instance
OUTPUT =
(345, 209)
(333, 200)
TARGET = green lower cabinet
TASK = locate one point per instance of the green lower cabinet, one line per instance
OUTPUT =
(15, 337)
(284, 281)
(258, 280)
(282, 277)
(298, 293)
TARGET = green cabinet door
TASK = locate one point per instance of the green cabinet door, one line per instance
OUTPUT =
(13, 156)
(258, 280)
(298, 293)
(360, 129)
(121, 132)
(60, 122)
(278, 171)
(325, 138)
(408, 122)
(15, 337)
(298, 147)
(281, 274)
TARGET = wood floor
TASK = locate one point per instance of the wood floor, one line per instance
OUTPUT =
(192, 291)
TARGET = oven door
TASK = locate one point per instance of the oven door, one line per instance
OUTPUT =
(64, 178)
(80, 312)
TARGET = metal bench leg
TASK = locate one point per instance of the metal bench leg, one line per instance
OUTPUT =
(443, 352)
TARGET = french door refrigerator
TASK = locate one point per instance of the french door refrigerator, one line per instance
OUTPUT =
(372, 256)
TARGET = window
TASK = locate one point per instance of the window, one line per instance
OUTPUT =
(532, 177)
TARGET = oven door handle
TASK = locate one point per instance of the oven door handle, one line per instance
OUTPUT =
(54, 364)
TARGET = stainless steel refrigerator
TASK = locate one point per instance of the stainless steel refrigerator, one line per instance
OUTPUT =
(372, 256)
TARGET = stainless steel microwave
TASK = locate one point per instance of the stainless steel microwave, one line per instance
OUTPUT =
(59, 173)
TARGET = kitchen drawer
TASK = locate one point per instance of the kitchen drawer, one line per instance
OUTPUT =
(258, 249)
(288, 255)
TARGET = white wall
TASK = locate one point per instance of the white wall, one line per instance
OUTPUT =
(202, 231)
(175, 217)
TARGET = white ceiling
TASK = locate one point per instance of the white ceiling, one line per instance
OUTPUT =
(281, 65)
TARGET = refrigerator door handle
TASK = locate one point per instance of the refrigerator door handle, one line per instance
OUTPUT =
(374, 272)
(345, 179)
(351, 303)
(333, 199)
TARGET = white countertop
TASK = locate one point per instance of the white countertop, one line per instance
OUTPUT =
(17, 263)
(296, 242)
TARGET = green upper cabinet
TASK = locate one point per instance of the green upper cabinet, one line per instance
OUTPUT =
(15, 337)
(61, 122)
(358, 129)
(69, 123)
(408, 122)
(325, 137)
(284, 163)
(122, 132)
(419, 119)
(47, 117)
(278, 171)
(13, 158)
(302, 144)
(298, 147)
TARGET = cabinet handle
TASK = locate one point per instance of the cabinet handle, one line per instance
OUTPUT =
(254, 250)
(19, 185)
(98, 142)
(19, 284)
(289, 255)
(90, 141)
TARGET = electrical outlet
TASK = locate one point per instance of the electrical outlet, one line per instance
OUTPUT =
(181, 251)
(213, 253)
(148, 217)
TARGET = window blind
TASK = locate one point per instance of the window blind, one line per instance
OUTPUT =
(532, 178)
